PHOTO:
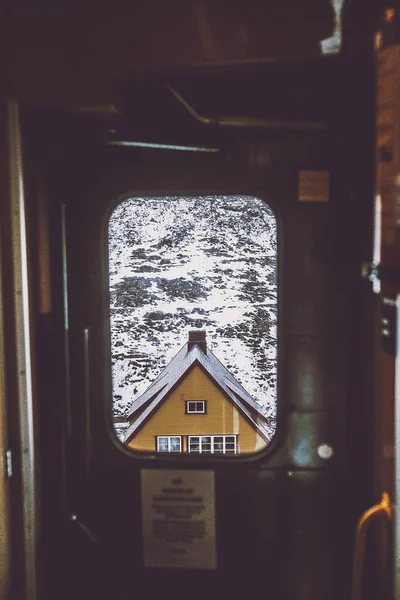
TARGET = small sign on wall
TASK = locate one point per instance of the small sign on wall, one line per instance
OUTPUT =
(178, 519)
(313, 186)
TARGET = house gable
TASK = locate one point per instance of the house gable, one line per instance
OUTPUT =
(169, 417)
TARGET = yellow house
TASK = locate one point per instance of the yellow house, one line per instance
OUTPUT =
(196, 405)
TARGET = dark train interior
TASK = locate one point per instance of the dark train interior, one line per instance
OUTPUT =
(102, 101)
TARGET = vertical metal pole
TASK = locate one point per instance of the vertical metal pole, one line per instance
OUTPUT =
(396, 520)
(23, 352)
(376, 245)
(66, 317)
(5, 464)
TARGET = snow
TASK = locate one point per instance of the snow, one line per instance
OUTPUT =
(177, 264)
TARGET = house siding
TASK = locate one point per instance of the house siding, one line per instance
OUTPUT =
(222, 417)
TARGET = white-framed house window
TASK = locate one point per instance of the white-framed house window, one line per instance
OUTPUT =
(196, 407)
(169, 443)
(213, 444)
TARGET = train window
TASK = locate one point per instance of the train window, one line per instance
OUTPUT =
(193, 313)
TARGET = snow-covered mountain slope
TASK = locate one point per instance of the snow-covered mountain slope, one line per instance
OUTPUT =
(177, 264)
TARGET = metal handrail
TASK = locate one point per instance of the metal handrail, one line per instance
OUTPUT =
(248, 122)
(381, 510)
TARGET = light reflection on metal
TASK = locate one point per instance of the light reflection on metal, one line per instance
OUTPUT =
(383, 510)
(389, 15)
(43, 246)
(87, 374)
(23, 353)
(135, 144)
(75, 519)
(370, 270)
(303, 452)
(396, 523)
(9, 464)
(333, 44)
(376, 250)
(388, 301)
(63, 217)
(5, 452)
(245, 122)
(378, 39)
(325, 451)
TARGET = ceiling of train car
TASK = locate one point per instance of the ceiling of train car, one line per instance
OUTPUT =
(69, 54)
(165, 106)
(75, 54)
(280, 90)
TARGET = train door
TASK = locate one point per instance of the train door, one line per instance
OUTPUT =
(280, 521)
(383, 273)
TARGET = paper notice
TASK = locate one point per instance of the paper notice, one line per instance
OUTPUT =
(178, 519)
(313, 186)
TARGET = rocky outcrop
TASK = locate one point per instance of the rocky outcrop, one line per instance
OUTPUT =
(193, 263)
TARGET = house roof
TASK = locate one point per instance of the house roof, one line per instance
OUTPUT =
(167, 380)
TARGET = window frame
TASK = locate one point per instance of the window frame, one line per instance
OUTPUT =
(212, 438)
(195, 412)
(169, 438)
(213, 189)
